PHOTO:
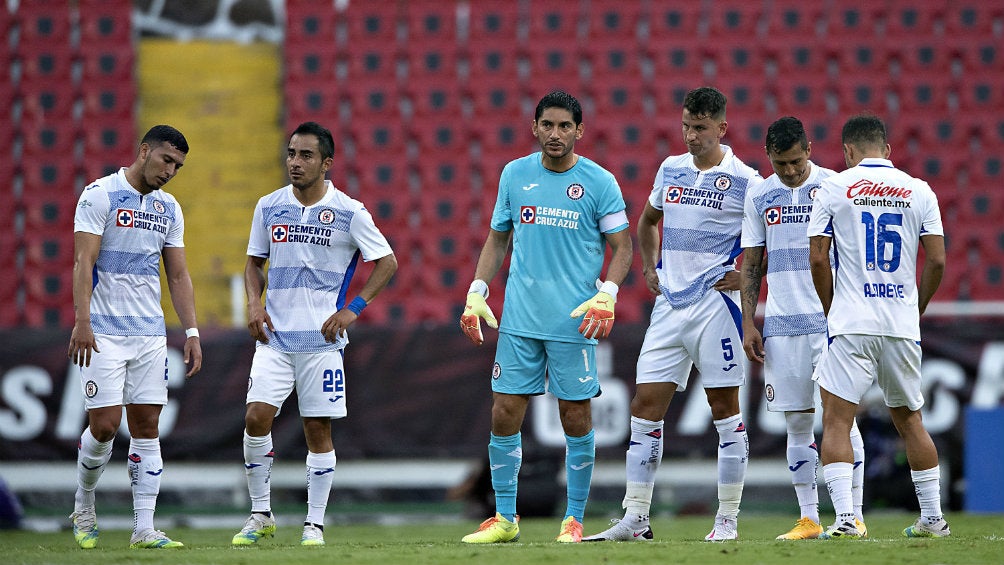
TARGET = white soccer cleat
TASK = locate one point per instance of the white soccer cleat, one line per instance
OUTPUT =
(922, 529)
(153, 539)
(85, 527)
(312, 535)
(256, 527)
(620, 530)
(725, 529)
(842, 530)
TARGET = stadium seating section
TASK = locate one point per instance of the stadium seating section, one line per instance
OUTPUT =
(428, 99)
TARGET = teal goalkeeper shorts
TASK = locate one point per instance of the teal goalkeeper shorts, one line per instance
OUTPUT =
(525, 365)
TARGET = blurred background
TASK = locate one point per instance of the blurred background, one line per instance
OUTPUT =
(427, 100)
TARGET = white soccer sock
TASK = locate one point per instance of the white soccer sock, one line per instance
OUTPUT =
(802, 460)
(258, 457)
(858, 476)
(320, 471)
(642, 461)
(92, 456)
(733, 455)
(145, 469)
(927, 483)
(838, 482)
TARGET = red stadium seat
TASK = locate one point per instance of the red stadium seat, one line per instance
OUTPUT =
(980, 55)
(53, 178)
(48, 298)
(677, 19)
(309, 22)
(313, 62)
(492, 63)
(105, 23)
(614, 61)
(973, 18)
(555, 66)
(111, 63)
(924, 93)
(43, 24)
(46, 101)
(615, 20)
(432, 22)
(906, 19)
(795, 21)
(114, 140)
(736, 18)
(674, 56)
(982, 94)
(861, 93)
(111, 101)
(796, 56)
(432, 63)
(920, 55)
(855, 21)
(48, 140)
(434, 98)
(373, 25)
(494, 23)
(310, 102)
(48, 63)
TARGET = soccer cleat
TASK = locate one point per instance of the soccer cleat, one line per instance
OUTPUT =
(153, 539)
(725, 529)
(571, 531)
(85, 527)
(841, 530)
(805, 528)
(921, 529)
(312, 535)
(862, 528)
(257, 526)
(620, 530)
(494, 530)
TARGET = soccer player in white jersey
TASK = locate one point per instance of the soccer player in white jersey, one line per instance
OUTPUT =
(874, 216)
(124, 224)
(312, 236)
(559, 210)
(698, 196)
(794, 336)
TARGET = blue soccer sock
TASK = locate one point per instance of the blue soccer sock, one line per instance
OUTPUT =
(505, 455)
(580, 454)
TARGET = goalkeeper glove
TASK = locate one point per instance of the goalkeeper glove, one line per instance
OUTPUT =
(599, 311)
(477, 308)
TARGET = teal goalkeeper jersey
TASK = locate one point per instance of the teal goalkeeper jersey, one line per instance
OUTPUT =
(558, 221)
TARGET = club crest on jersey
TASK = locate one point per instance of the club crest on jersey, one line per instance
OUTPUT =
(812, 192)
(673, 194)
(326, 216)
(124, 218)
(772, 215)
(280, 233)
(159, 206)
(723, 183)
(527, 214)
(496, 371)
(575, 191)
(770, 393)
(90, 389)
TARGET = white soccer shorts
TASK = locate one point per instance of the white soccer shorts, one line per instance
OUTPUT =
(318, 378)
(788, 363)
(128, 370)
(852, 362)
(705, 335)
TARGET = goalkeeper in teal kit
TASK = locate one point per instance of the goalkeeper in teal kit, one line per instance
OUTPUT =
(560, 210)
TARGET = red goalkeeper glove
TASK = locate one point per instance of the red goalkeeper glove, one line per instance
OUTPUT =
(599, 312)
(477, 308)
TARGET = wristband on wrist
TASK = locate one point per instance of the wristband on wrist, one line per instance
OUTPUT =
(357, 305)
(191, 332)
(610, 288)
(479, 286)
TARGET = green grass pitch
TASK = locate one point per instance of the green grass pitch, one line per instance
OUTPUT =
(976, 539)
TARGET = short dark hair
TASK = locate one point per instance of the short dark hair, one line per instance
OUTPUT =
(325, 143)
(864, 130)
(784, 133)
(559, 99)
(166, 134)
(705, 102)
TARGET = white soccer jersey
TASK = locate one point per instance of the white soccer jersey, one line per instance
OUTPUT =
(702, 220)
(134, 229)
(312, 253)
(776, 218)
(875, 214)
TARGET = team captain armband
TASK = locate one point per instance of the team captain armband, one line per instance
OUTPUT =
(357, 305)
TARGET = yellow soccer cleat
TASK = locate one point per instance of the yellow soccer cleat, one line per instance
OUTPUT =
(571, 531)
(256, 527)
(805, 528)
(494, 530)
(153, 539)
(85, 528)
(862, 528)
